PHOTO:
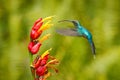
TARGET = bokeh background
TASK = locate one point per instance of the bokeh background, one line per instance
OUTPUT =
(101, 17)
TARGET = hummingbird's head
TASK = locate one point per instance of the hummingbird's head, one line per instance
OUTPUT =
(75, 22)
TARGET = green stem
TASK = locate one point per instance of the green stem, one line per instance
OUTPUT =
(31, 58)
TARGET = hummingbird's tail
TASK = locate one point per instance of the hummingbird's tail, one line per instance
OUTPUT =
(93, 48)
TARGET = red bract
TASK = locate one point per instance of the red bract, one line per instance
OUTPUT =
(44, 61)
(39, 27)
(37, 22)
(34, 46)
(35, 33)
(40, 71)
(41, 61)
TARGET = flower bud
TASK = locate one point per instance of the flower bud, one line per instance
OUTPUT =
(41, 61)
(34, 32)
(40, 71)
(33, 47)
(39, 27)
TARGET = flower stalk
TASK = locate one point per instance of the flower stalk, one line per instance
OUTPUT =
(40, 65)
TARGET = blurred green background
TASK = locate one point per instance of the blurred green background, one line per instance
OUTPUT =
(101, 17)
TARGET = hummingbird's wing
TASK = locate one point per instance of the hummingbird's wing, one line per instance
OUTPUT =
(68, 32)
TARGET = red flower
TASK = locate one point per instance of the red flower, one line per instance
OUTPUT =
(40, 71)
(35, 33)
(39, 67)
(41, 64)
(34, 45)
(41, 60)
(39, 27)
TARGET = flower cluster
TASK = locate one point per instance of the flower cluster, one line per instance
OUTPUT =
(37, 29)
(41, 64)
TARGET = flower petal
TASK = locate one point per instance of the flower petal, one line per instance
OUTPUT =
(47, 18)
(44, 38)
(46, 53)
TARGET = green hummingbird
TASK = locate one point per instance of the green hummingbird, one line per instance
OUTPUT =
(79, 31)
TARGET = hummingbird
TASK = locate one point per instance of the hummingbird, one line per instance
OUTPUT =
(78, 31)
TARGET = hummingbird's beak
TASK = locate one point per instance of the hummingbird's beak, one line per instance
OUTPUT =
(75, 22)
(65, 20)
